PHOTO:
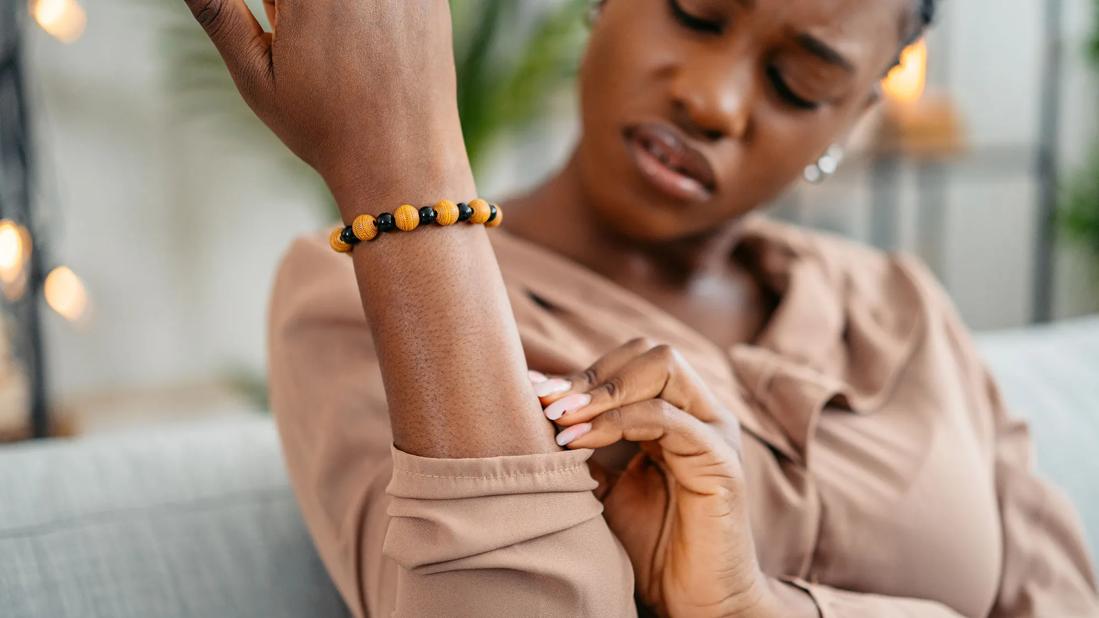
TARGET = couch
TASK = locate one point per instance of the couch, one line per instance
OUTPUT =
(198, 520)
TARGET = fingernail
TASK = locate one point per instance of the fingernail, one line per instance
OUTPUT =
(536, 376)
(571, 403)
(567, 436)
(550, 387)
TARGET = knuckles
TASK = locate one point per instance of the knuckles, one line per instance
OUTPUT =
(613, 387)
(209, 13)
(665, 354)
(590, 377)
(642, 344)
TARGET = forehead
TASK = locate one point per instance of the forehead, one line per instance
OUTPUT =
(866, 31)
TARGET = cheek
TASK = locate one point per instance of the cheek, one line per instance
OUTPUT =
(627, 48)
(786, 141)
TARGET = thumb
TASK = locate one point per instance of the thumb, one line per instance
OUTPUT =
(241, 42)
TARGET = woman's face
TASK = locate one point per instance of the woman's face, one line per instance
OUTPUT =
(698, 111)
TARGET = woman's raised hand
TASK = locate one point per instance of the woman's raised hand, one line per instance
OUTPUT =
(362, 91)
(679, 508)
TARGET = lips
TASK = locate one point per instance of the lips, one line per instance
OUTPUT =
(669, 162)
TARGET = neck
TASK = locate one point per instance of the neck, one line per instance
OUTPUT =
(557, 215)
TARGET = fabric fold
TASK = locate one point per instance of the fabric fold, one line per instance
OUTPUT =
(443, 479)
(445, 510)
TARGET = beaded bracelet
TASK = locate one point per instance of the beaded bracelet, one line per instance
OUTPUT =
(407, 218)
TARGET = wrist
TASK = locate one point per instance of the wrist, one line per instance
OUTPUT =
(420, 180)
(401, 164)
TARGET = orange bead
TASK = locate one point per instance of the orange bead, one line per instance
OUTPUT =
(337, 244)
(481, 211)
(447, 212)
(407, 217)
(364, 228)
(499, 218)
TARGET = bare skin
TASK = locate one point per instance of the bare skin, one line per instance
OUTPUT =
(695, 113)
(719, 92)
(691, 278)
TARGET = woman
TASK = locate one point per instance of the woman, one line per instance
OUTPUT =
(783, 424)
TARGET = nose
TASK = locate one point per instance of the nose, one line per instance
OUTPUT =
(714, 100)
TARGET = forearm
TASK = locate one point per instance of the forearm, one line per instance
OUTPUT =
(446, 338)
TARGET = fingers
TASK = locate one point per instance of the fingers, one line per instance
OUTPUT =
(659, 372)
(652, 420)
(240, 40)
(553, 389)
(690, 447)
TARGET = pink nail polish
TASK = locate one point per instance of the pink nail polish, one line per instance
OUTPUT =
(567, 436)
(536, 376)
(551, 387)
(571, 403)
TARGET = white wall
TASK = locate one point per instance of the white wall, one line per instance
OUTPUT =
(176, 231)
(174, 228)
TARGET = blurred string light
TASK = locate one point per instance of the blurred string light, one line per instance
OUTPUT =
(15, 252)
(64, 19)
(65, 293)
(907, 81)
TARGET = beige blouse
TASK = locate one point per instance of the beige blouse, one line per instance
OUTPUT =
(885, 476)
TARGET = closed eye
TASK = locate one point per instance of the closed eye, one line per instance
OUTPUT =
(786, 93)
(693, 22)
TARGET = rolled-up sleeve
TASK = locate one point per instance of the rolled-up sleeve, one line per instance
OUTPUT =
(412, 536)
(505, 536)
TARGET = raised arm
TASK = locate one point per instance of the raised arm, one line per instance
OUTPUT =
(365, 92)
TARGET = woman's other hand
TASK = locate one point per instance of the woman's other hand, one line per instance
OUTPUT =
(362, 91)
(680, 508)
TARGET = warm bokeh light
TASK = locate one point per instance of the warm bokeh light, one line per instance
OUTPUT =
(65, 293)
(907, 81)
(11, 246)
(64, 19)
(15, 251)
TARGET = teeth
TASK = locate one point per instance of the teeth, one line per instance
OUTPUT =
(657, 150)
(664, 157)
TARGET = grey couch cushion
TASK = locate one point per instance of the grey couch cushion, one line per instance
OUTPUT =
(1050, 376)
(184, 521)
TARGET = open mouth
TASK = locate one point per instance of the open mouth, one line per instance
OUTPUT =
(669, 163)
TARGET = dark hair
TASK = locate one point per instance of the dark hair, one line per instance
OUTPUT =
(925, 14)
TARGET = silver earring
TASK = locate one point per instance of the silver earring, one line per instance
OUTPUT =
(825, 167)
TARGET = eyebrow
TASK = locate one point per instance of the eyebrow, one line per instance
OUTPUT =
(822, 50)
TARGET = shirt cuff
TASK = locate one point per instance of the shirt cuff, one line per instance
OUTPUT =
(447, 510)
(444, 479)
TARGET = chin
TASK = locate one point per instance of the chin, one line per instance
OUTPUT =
(625, 204)
(638, 217)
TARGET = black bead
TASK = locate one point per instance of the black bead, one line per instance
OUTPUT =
(464, 211)
(348, 236)
(385, 222)
(491, 213)
(428, 215)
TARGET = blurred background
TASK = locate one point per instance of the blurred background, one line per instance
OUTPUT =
(130, 171)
